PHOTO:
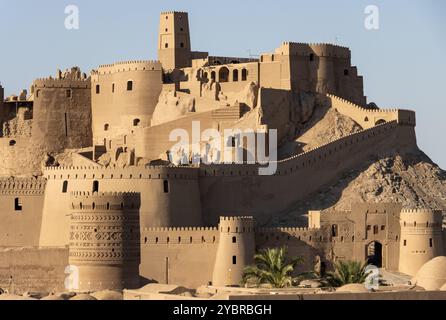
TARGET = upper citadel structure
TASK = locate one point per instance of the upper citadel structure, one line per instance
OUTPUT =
(87, 174)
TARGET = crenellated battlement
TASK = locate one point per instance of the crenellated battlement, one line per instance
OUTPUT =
(306, 235)
(51, 83)
(88, 194)
(236, 218)
(180, 236)
(319, 49)
(128, 66)
(303, 160)
(370, 117)
(286, 230)
(173, 12)
(104, 201)
(180, 229)
(22, 186)
(113, 172)
(421, 211)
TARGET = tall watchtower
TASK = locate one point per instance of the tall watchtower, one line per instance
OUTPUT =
(174, 49)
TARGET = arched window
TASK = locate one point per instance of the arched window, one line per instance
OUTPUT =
(166, 45)
(312, 57)
(346, 72)
(223, 75)
(182, 44)
(234, 239)
(334, 230)
(129, 85)
(213, 75)
(106, 126)
(12, 143)
(98, 89)
(136, 122)
(95, 186)
(65, 187)
(235, 75)
(244, 74)
(68, 93)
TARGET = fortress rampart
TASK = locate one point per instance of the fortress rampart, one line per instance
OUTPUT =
(316, 167)
(169, 195)
(368, 118)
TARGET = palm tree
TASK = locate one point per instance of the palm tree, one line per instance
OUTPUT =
(271, 267)
(348, 272)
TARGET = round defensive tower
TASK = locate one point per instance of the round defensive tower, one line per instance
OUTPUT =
(235, 251)
(123, 97)
(104, 240)
(421, 238)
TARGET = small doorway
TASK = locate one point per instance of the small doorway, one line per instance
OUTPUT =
(374, 254)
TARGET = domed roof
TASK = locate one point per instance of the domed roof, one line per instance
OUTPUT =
(432, 275)
(83, 297)
(9, 297)
(107, 295)
(52, 297)
(353, 287)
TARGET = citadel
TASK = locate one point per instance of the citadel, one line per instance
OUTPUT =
(87, 178)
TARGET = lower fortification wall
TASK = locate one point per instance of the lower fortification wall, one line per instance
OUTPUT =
(21, 203)
(169, 196)
(183, 256)
(31, 269)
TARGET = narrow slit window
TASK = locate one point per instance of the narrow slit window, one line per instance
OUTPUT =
(65, 187)
(166, 186)
(18, 204)
(96, 186)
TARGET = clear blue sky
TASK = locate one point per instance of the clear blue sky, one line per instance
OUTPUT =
(403, 63)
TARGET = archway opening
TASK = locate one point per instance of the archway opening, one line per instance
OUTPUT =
(374, 254)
